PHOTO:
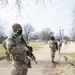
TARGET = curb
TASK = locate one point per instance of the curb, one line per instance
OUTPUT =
(3, 57)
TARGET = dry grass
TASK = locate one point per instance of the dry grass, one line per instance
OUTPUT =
(2, 51)
(37, 45)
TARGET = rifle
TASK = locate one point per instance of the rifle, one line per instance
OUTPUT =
(31, 56)
(56, 45)
(35, 60)
(29, 53)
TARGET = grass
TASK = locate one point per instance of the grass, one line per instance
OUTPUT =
(36, 45)
(72, 55)
(2, 51)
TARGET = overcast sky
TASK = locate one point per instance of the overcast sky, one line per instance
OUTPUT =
(50, 16)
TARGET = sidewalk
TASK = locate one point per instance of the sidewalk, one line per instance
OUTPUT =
(44, 66)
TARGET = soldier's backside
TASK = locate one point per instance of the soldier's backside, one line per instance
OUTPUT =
(59, 46)
(52, 45)
(53, 49)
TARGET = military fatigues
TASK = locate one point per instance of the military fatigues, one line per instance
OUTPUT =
(59, 46)
(7, 55)
(17, 49)
(52, 49)
(18, 55)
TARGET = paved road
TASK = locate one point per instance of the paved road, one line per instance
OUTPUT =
(43, 59)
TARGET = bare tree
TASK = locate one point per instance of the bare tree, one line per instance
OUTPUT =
(1, 27)
(3, 3)
(67, 38)
(72, 33)
(35, 36)
(18, 2)
(2, 30)
(28, 29)
(22, 4)
(46, 34)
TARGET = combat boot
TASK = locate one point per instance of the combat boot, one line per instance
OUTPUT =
(53, 61)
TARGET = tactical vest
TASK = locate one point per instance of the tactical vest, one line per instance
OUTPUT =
(21, 56)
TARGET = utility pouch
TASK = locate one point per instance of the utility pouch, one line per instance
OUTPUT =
(18, 57)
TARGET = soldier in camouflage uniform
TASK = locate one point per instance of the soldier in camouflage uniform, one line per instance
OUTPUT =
(18, 51)
(7, 55)
(59, 45)
(52, 45)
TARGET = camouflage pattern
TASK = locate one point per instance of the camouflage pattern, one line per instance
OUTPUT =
(19, 68)
(59, 46)
(18, 55)
(7, 55)
(16, 27)
(52, 49)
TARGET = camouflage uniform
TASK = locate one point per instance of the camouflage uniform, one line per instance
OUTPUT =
(17, 52)
(53, 49)
(7, 55)
(59, 45)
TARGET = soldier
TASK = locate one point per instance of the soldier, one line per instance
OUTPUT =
(59, 45)
(7, 55)
(53, 48)
(16, 47)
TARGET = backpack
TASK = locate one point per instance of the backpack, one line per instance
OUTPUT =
(56, 45)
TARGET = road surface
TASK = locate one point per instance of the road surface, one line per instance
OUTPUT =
(44, 65)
